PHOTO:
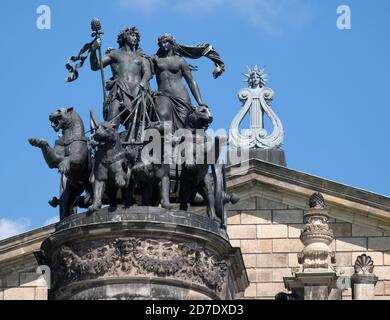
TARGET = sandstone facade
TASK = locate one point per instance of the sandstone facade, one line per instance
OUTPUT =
(266, 225)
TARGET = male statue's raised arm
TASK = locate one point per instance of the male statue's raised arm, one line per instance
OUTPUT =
(93, 59)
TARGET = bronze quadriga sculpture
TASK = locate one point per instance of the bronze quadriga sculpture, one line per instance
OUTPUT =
(116, 167)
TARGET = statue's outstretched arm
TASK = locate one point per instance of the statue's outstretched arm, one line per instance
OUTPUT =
(186, 71)
(93, 59)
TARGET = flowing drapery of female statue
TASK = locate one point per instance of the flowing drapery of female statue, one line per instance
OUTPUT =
(172, 98)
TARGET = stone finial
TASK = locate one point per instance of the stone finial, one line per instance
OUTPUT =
(317, 278)
(316, 236)
(317, 201)
(364, 265)
(363, 280)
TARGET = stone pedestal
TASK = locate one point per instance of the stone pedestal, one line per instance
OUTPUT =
(363, 287)
(313, 285)
(142, 253)
(274, 155)
(363, 280)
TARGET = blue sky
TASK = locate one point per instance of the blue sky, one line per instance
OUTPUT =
(331, 86)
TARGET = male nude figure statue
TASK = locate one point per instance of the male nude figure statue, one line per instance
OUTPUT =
(131, 72)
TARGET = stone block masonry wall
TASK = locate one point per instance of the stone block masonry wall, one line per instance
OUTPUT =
(269, 241)
(23, 286)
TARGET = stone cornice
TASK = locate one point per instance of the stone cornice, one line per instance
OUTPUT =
(21, 247)
(295, 188)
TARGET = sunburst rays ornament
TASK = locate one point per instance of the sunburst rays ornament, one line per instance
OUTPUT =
(255, 77)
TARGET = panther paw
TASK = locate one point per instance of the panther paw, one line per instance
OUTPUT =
(39, 143)
(120, 181)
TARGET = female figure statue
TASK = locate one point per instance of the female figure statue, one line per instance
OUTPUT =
(172, 98)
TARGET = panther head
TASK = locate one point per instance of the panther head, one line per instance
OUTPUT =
(105, 133)
(199, 119)
(61, 119)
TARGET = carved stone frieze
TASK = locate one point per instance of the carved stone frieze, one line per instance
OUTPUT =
(133, 256)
